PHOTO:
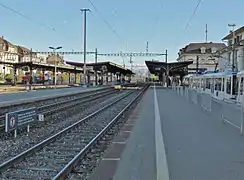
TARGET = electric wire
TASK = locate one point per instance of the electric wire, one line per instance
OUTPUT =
(26, 17)
(193, 14)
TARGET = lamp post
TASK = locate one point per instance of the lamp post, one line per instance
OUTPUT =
(233, 44)
(84, 67)
(55, 64)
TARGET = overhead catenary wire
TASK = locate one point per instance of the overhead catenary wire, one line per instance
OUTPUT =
(108, 25)
(193, 14)
(158, 21)
(199, 2)
(106, 22)
(26, 17)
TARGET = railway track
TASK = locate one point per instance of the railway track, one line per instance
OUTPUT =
(50, 109)
(4, 108)
(54, 157)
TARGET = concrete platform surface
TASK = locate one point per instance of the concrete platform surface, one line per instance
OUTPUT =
(191, 145)
(34, 95)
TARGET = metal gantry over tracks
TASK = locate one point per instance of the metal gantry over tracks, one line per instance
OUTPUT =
(96, 54)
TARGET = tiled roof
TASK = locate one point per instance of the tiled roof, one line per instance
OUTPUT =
(196, 47)
(7, 42)
(24, 49)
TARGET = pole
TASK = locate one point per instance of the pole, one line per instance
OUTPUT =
(167, 69)
(197, 65)
(166, 56)
(55, 63)
(206, 31)
(96, 63)
(84, 48)
(55, 69)
(4, 67)
(147, 47)
(131, 62)
(30, 77)
(242, 123)
(84, 67)
(233, 53)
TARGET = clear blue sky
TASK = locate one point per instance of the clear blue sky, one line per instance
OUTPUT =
(161, 22)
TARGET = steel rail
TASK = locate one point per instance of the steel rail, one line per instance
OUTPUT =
(44, 98)
(7, 164)
(64, 102)
(64, 172)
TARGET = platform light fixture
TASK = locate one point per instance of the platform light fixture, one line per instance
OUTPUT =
(55, 64)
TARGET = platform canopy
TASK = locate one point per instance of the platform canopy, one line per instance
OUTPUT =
(103, 66)
(156, 67)
(47, 67)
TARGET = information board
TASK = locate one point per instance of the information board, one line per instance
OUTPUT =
(19, 118)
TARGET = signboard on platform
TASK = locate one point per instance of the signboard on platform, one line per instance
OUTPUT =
(19, 118)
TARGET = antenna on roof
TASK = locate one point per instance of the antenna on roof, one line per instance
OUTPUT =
(206, 33)
(147, 47)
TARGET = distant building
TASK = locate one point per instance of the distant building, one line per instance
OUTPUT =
(226, 60)
(8, 53)
(26, 56)
(201, 52)
(51, 59)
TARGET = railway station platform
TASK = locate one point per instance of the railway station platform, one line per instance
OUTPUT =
(35, 95)
(170, 138)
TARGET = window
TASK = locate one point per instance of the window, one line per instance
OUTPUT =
(223, 85)
(229, 42)
(212, 85)
(228, 86)
(241, 86)
(235, 85)
(214, 50)
(203, 50)
(208, 83)
(229, 57)
(202, 84)
(218, 84)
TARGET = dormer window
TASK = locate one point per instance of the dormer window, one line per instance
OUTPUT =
(203, 50)
(213, 50)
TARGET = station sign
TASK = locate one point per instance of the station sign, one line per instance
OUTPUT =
(19, 118)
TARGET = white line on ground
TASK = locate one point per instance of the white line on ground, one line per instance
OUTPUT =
(111, 159)
(123, 142)
(161, 161)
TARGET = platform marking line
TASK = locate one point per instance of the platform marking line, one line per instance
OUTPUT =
(161, 161)
(127, 131)
(129, 124)
(111, 159)
(122, 142)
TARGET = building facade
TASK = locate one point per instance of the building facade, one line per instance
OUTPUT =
(27, 56)
(232, 57)
(8, 54)
(202, 55)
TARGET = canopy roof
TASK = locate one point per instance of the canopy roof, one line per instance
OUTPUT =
(100, 66)
(159, 67)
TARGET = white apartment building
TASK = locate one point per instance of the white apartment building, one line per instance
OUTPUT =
(8, 54)
(201, 52)
(230, 56)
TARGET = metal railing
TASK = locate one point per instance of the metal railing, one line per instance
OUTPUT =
(228, 113)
